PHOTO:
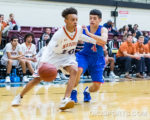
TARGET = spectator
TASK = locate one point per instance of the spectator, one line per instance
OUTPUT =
(134, 37)
(125, 30)
(6, 27)
(29, 52)
(147, 57)
(47, 31)
(146, 37)
(140, 50)
(13, 57)
(138, 32)
(126, 54)
(1, 28)
(109, 26)
(13, 23)
(114, 44)
(42, 43)
(111, 61)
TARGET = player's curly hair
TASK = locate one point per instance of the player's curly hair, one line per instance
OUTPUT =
(68, 11)
(96, 12)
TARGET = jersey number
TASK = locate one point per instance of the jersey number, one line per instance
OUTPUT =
(94, 48)
(69, 52)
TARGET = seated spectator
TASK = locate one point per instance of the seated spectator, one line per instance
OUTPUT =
(147, 57)
(134, 37)
(109, 26)
(47, 31)
(13, 23)
(146, 37)
(13, 57)
(29, 52)
(114, 44)
(1, 28)
(42, 43)
(111, 61)
(6, 26)
(126, 54)
(125, 30)
(138, 32)
(140, 50)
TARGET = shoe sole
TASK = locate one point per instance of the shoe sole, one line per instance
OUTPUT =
(68, 105)
(15, 105)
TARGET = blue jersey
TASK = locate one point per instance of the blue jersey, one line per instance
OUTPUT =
(91, 49)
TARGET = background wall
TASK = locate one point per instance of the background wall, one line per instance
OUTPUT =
(45, 13)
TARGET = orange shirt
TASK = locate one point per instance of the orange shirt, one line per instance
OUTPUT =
(128, 47)
(147, 48)
(139, 48)
(4, 24)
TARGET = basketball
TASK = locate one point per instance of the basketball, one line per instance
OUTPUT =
(47, 72)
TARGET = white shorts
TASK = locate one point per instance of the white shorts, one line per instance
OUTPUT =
(5, 62)
(60, 61)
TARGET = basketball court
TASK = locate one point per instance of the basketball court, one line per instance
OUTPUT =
(125, 100)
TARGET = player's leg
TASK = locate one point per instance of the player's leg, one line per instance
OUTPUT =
(9, 67)
(67, 103)
(29, 65)
(96, 71)
(112, 63)
(29, 86)
(82, 66)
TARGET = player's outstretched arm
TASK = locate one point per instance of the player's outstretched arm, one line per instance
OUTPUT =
(85, 38)
(100, 40)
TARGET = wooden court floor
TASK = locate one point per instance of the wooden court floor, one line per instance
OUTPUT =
(128, 100)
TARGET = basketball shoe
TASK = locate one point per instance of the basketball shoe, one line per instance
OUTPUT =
(66, 103)
(74, 96)
(16, 101)
(87, 96)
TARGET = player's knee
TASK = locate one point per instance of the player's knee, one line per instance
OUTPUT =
(74, 70)
(80, 70)
(36, 80)
(96, 86)
(10, 62)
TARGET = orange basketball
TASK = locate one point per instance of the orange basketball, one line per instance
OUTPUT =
(47, 72)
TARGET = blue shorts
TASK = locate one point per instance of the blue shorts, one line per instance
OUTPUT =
(94, 64)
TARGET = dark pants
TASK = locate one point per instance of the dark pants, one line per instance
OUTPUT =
(126, 63)
(140, 65)
(147, 63)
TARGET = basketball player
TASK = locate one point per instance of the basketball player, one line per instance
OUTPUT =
(29, 52)
(60, 53)
(91, 57)
(13, 57)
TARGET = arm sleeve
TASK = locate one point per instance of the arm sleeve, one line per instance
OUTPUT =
(85, 38)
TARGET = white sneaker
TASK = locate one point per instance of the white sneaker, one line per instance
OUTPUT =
(112, 75)
(7, 79)
(25, 79)
(62, 76)
(16, 101)
(66, 103)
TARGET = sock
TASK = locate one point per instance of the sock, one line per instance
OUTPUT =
(75, 88)
(87, 90)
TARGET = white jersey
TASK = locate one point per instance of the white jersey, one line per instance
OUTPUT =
(28, 52)
(13, 52)
(8, 48)
(64, 43)
(60, 50)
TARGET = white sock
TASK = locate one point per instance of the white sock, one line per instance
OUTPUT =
(75, 88)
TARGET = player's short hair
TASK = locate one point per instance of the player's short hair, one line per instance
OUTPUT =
(13, 37)
(68, 11)
(96, 12)
(141, 37)
(29, 35)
